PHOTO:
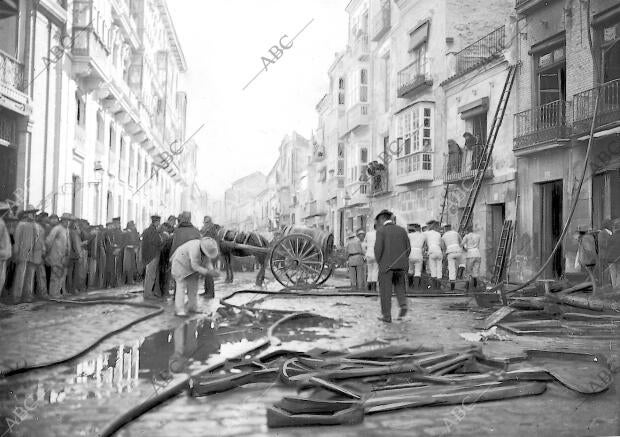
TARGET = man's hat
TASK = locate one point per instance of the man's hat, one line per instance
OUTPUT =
(53, 216)
(383, 212)
(360, 231)
(67, 216)
(4, 206)
(171, 218)
(447, 226)
(209, 247)
(42, 215)
(29, 209)
(116, 219)
(155, 217)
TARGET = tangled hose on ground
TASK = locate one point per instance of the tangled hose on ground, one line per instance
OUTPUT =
(158, 310)
(180, 386)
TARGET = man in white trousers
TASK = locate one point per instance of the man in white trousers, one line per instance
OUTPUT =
(417, 239)
(435, 254)
(454, 252)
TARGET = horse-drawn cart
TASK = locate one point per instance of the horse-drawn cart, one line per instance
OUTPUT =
(299, 257)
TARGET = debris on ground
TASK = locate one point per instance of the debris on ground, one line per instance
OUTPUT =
(482, 336)
(341, 387)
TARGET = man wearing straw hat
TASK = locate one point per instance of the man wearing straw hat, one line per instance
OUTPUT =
(189, 262)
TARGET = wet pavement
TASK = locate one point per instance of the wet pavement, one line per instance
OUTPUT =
(80, 397)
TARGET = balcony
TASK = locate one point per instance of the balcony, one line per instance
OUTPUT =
(608, 113)
(415, 167)
(360, 46)
(314, 209)
(413, 79)
(485, 49)
(334, 185)
(539, 125)
(357, 193)
(11, 72)
(357, 116)
(463, 166)
(379, 183)
(382, 21)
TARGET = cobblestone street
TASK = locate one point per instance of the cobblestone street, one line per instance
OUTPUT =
(78, 398)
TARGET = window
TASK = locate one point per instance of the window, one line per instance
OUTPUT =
(477, 125)
(415, 129)
(341, 91)
(100, 127)
(340, 159)
(386, 83)
(121, 158)
(610, 49)
(80, 109)
(363, 85)
(551, 75)
(364, 155)
(417, 48)
(112, 141)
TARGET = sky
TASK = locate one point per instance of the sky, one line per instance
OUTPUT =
(223, 42)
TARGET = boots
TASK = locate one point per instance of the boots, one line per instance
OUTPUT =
(460, 271)
(452, 285)
(467, 286)
(416, 282)
(475, 282)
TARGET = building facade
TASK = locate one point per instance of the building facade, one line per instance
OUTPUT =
(92, 109)
(557, 87)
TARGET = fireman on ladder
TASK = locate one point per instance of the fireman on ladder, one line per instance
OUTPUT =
(417, 239)
(454, 252)
(435, 254)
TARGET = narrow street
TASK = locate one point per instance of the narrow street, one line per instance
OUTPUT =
(80, 397)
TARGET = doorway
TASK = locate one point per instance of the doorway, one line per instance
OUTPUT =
(495, 223)
(8, 172)
(341, 227)
(551, 203)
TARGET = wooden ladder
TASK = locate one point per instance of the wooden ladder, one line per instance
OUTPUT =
(485, 157)
(502, 251)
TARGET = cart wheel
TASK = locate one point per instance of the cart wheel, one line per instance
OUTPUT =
(296, 261)
(328, 269)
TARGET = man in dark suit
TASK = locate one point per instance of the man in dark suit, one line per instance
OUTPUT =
(392, 250)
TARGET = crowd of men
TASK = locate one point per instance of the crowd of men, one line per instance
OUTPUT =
(432, 247)
(46, 256)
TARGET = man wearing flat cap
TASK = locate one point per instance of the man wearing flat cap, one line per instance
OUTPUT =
(392, 250)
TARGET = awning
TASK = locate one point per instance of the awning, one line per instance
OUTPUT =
(474, 108)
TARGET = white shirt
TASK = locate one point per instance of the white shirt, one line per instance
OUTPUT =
(369, 244)
(433, 240)
(471, 243)
(451, 240)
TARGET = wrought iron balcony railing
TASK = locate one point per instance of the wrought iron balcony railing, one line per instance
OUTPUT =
(464, 165)
(11, 71)
(481, 51)
(608, 107)
(412, 77)
(541, 124)
(382, 21)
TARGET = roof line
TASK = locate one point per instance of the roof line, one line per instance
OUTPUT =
(173, 38)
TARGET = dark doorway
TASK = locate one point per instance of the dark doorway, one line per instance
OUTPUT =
(8, 175)
(605, 197)
(551, 194)
(341, 233)
(109, 207)
(495, 223)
